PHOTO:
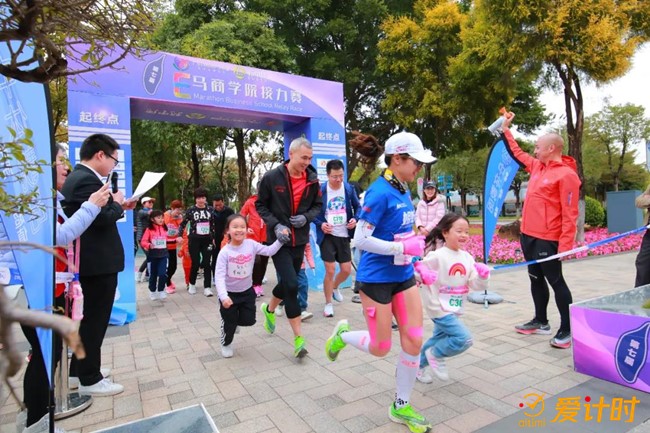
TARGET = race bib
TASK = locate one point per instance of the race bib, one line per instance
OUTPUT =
(158, 243)
(172, 231)
(402, 259)
(336, 217)
(451, 298)
(203, 228)
(240, 267)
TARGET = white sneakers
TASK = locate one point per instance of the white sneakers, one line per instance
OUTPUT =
(154, 296)
(328, 311)
(305, 315)
(438, 365)
(73, 382)
(162, 295)
(207, 292)
(337, 296)
(227, 351)
(102, 388)
(192, 289)
(424, 375)
(279, 311)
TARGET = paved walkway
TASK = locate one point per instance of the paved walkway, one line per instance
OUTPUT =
(171, 358)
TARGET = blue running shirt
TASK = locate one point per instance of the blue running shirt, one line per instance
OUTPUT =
(391, 213)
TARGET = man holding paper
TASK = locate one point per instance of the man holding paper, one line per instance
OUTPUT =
(101, 257)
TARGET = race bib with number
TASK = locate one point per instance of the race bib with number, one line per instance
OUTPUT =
(203, 228)
(402, 259)
(336, 217)
(240, 266)
(451, 298)
(159, 243)
(172, 231)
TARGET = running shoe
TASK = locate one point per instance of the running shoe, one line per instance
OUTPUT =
(269, 318)
(305, 315)
(335, 343)
(562, 340)
(162, 295)
(171, 289)
(279, 311)
(299, 350)
(153, 296)
(424, 375)
(534, 327)
(328, 311)
(406, 415)
(336, 294)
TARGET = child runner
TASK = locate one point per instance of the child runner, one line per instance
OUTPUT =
(385, 276)
(154, 241)
(447, 275)
(234, 279)
(173, 218)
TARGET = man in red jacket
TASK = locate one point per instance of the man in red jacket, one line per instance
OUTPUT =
(548, 227)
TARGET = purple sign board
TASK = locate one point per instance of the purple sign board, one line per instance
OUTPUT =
(174, 88)
(610, 338)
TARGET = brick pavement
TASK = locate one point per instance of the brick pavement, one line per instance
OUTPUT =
(171, 359)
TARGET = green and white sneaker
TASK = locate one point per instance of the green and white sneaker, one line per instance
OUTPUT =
(335, 343)
(299, 350)
(269, 318)
(410, 418)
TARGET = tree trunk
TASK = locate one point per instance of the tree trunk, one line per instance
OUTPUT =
(242, 183)
(574, 102)
(195, 167)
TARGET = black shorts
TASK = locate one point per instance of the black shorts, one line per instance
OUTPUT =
(384, 292)
(335, 249)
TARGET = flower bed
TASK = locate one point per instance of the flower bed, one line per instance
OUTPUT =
(504, 251)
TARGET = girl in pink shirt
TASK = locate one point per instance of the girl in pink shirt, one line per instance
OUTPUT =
(234, 279)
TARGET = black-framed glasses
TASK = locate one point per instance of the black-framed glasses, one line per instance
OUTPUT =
(113, 158)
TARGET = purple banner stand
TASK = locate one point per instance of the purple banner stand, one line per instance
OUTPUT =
(174, 88)
(610, 338)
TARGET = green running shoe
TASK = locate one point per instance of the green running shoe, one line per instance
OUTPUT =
(410, 418)
(335, 343)
(299, 350)
(269, 318)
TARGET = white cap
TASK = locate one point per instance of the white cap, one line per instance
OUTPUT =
(146, 199)
(406, 142)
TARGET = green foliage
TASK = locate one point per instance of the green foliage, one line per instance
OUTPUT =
(594, 212)
(18, 195)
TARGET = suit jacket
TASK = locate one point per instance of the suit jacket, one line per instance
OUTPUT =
(101, 246)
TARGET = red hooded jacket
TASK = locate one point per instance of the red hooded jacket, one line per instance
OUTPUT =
(551, 205)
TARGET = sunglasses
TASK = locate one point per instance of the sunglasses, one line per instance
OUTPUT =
(417, 163)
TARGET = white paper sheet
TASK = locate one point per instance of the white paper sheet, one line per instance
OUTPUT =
(148, 181)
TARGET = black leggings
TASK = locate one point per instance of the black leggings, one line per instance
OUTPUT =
(288, 262)
(172, 265)
(240, 313)
(533, 249)
(198, 248)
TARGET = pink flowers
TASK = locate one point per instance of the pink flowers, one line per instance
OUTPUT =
(505, 251)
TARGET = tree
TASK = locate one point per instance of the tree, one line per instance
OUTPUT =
(563, 43)
(617, 128)
(467, 169)
(94, 34)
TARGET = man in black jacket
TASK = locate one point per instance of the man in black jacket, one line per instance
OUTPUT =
(289, 198)
(101, 257)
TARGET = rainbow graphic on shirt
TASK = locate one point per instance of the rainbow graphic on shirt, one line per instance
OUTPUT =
(457, 270)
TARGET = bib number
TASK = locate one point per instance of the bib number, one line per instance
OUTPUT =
(336, 218)
(158, 243)
(451, 298)
(239, 271)
(203, 228)
(172, 232)
(402, 259)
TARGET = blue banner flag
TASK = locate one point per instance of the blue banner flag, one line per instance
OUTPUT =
(24, 106)
(500, 169)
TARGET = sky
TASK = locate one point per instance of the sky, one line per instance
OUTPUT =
(631, 88)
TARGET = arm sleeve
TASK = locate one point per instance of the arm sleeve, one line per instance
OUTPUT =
(316, 205)
(364, 240)
(220, 272)
(569, 194)
(522, 157)
(261, 204)
(267, 250)
(643, 201)
(77, 223)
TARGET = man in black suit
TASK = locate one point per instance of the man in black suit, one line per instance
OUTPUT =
(101, 257)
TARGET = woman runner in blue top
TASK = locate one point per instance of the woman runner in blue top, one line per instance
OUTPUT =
(385, 276)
